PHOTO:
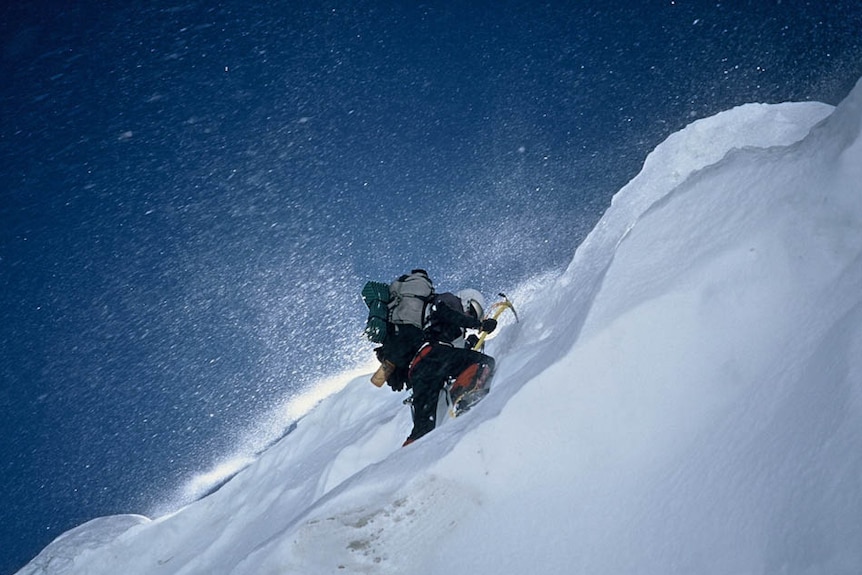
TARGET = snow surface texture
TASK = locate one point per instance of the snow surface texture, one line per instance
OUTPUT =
(685, 398)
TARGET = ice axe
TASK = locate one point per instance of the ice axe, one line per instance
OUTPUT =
(496, 310)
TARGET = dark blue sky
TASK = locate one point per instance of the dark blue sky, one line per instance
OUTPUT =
(192, 195)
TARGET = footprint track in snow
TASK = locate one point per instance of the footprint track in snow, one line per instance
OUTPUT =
(385, 539)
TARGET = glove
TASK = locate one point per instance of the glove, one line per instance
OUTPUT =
(489, 325)
(397, 379)
(471, 341)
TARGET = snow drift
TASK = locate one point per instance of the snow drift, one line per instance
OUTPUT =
(685, 398)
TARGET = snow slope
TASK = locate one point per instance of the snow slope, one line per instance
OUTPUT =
(685, 398)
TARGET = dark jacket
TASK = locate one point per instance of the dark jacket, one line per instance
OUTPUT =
(448, 320)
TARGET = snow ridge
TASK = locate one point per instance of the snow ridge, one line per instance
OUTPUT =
(685, 398)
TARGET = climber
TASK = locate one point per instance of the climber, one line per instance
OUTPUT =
(446, 354)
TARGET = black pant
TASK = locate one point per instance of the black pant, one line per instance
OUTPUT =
(399, 347)
(433, 365)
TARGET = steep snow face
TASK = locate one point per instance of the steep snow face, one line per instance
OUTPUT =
(704, 419)
(685, 398)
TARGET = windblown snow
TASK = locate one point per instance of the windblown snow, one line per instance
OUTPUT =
(685, 398)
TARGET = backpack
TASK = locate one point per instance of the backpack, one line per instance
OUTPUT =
(403, 302)
(439, 325)
(409, 297)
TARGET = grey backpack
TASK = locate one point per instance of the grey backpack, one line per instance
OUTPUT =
(409, 297)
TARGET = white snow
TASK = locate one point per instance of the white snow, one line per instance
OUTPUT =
(685, 398)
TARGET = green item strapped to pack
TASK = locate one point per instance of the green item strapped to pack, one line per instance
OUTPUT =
(376, 297)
